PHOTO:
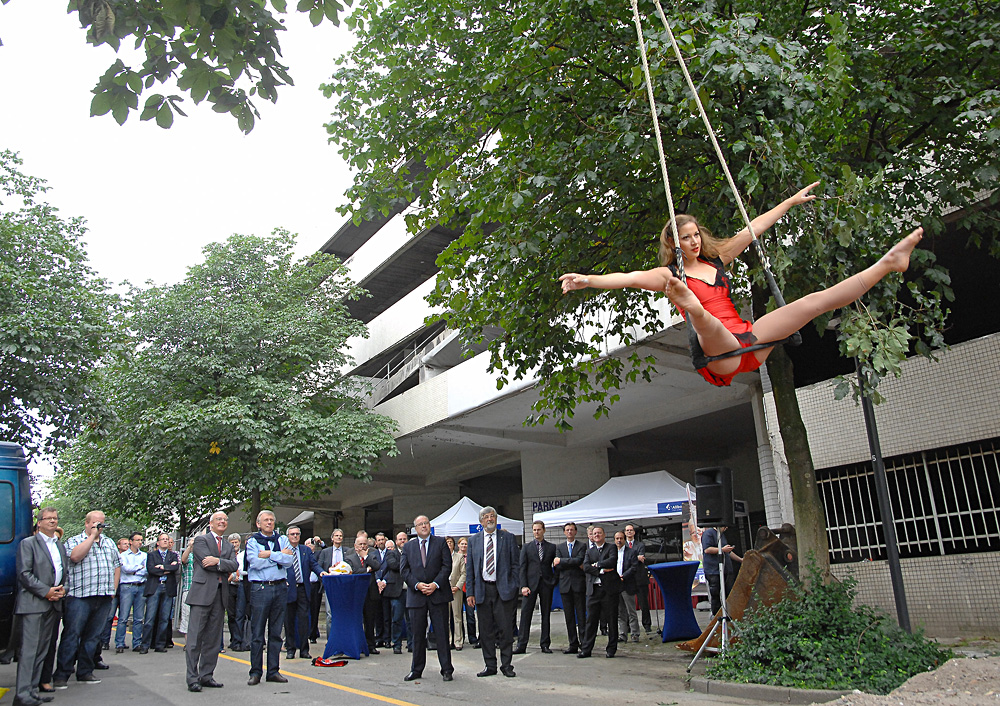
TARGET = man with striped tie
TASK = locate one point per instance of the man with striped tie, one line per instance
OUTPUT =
(491, 579)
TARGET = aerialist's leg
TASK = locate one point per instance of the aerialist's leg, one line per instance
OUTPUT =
(715, 339)
(783, 322)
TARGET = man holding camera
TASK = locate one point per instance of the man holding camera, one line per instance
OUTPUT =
(95, 568)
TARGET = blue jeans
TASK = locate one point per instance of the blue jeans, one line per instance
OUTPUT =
(85, 619)
(267, 613)
(159, 610)
(106, 632)
(130, 598)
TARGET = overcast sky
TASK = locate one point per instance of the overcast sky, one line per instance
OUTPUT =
(152, 197)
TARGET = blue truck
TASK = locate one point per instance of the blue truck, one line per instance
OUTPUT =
(15, 525)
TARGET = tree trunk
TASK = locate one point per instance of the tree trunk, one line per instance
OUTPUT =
(183, 522)
(810, 522)
(254, 506)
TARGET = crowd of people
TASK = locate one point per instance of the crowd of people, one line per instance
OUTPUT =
(425, 590)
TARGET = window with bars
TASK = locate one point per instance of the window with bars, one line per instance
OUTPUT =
(944, 501)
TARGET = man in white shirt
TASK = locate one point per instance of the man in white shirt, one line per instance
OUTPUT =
(130, 593)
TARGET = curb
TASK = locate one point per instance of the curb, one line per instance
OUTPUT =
(765, 692)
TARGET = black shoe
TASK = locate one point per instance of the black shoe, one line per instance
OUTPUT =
(412, 676)
(583, 655)
(106, 646)
(520, 650)
(30, 701)
(447, 677)
(508, 671)
(313, 640)
(170, 645)
(570, 651)
(254, 680)
(89, 679)
(306, 655)
(374, 651)
(160, 649)
(119, 650)
(277, 677)
(397, 650)
(546, 650)
(144, 650)
(409, 648)
(290, 654)
(622, 638)
(487, 672)
(57, 684)
(136, 648)
(211, 684)
(609, 655)
(604, 631)
(101, 665)
(196, 687)
(474, 645)
(42, 699)
(635, 638)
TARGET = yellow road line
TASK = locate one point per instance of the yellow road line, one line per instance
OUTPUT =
(339, 687)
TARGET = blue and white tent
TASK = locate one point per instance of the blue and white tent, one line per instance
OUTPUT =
(462, 520)
(646, 496)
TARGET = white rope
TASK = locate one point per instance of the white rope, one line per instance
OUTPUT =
(708, 126)
(656, 132)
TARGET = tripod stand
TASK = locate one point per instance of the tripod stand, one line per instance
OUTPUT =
(722, 624)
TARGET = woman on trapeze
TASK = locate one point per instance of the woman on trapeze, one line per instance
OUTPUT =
(705, 300)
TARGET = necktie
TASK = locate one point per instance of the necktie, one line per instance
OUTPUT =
(538, 545)
(423, 551)
(218, 540)
(297, 567)
(491, 561)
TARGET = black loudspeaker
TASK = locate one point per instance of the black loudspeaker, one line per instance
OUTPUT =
(714, 489)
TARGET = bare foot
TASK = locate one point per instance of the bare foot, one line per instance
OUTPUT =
(682, 297)
(898, 258)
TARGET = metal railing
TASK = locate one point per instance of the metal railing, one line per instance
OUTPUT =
(945, 501)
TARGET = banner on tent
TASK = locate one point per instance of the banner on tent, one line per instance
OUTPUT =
(670, 508)
(476, 529)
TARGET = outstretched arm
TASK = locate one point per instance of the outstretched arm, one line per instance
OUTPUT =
(732, 248)
(654, 280)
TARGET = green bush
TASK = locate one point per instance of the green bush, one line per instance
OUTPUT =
(817, 638)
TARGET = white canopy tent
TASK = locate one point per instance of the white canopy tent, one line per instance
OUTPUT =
(646, 496)
(462, 520)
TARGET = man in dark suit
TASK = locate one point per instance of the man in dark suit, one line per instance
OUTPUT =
(162, 567)
(603, 586)
(491, 578)
(628, 622)
(568, 566)
(641, 575)
(390, 583)
(537, 581)
(213, 560)
(425, 566)
(364, 560)
(42, 567)
(304, 564)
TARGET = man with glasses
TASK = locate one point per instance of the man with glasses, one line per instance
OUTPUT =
(42, 566)
(304, 564)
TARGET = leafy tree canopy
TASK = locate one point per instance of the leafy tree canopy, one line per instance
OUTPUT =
(55, 318)
(532, 122)
(224, 51)
(232, 390)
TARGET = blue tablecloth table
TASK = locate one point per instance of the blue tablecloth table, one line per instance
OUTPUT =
(675, 579)
(345, 595)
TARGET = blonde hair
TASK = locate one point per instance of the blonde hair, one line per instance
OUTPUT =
(709, 243)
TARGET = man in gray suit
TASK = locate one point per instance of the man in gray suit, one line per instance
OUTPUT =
(492, 581)
(214, 560)
(42, 566)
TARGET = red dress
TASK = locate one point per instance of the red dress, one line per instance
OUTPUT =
(717, 302)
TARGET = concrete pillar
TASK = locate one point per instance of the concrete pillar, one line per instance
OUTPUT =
(552, 478)
(765, 459)
(779, 464)
(407, 504)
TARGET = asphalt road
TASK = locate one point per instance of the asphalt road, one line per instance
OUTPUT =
(649, 672)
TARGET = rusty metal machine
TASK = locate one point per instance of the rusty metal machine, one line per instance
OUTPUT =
(763, 579)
